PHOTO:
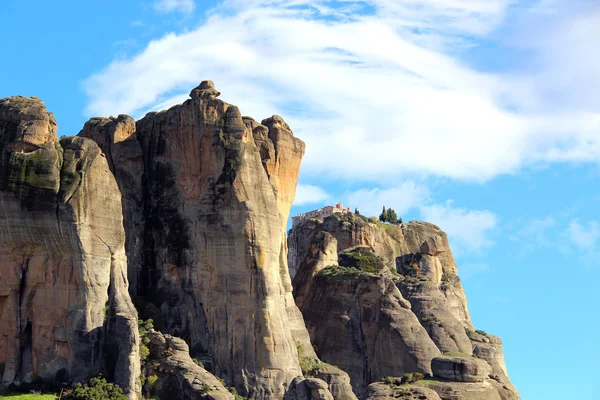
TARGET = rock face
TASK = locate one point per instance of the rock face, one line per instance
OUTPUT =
(64, 307)
(207, 195)
(185, 212)
(382, 391)
(178, 376)
(356, 320)
(460, 369)
(384, 300)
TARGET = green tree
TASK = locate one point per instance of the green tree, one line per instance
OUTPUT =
(96, 389)
(391, 216)
(383, 215)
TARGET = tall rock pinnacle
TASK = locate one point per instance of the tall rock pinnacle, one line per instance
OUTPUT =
(64, 307)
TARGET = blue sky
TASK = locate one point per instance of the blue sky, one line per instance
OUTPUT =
(480, 116)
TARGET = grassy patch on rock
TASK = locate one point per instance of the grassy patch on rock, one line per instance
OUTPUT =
(353, 264)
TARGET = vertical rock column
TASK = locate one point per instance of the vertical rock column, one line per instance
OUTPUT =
(64, 306)
(215, 198)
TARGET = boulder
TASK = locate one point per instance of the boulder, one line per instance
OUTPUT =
(179, 377)
(460, 369)
(463, 390)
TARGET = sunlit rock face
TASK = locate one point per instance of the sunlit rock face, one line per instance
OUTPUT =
(383, 300)
(65, 313)
(207, 194)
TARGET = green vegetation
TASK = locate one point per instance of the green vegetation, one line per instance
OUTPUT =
(336, 273)
(411, 280)
(29, 396)
(95, 389)
(449, 279)
(361, 259)
(431, 319)
(235, 394)
(198, 363)
(389, 216)
(353, 265)
(412, 270)
(394, 231)
(144, 327)
(309, 365)
(405, 379)
(474, 335)
(430, 380)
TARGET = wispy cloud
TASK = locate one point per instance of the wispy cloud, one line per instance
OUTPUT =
(383, 94)
(401, 198)
(185, 6)
(310, 194)
(537, 233)
(584, 236)
(467, 229)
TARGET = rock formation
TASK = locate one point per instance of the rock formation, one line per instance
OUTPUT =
(177, 374)
(384, 300)
(64, 308)
(184, 214)
(207, 195)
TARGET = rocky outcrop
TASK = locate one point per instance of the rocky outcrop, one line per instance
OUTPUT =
(460, 369)
(385, 300)
(206, 239)
(489, 348)
(382, 391)
(464, 391)
(357, 319)
(178, 377)
(185, 211)
(64, 308)
(118, 141)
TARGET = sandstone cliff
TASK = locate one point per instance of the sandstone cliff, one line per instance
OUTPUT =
(384, 300)
(185, 212)
(64, 308)
(207, 195)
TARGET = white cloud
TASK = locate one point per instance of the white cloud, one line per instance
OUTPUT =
(401, 198)
(185, 6)
(466, 229)
(584, 237)
(535, 234)
(377, 96)
(309, 194)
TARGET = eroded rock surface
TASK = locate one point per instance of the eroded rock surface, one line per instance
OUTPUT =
(384, 300)
(178, 376)
(190, 205)
(382, 391)
(207, 239)
(460, 369)
(64, 308)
